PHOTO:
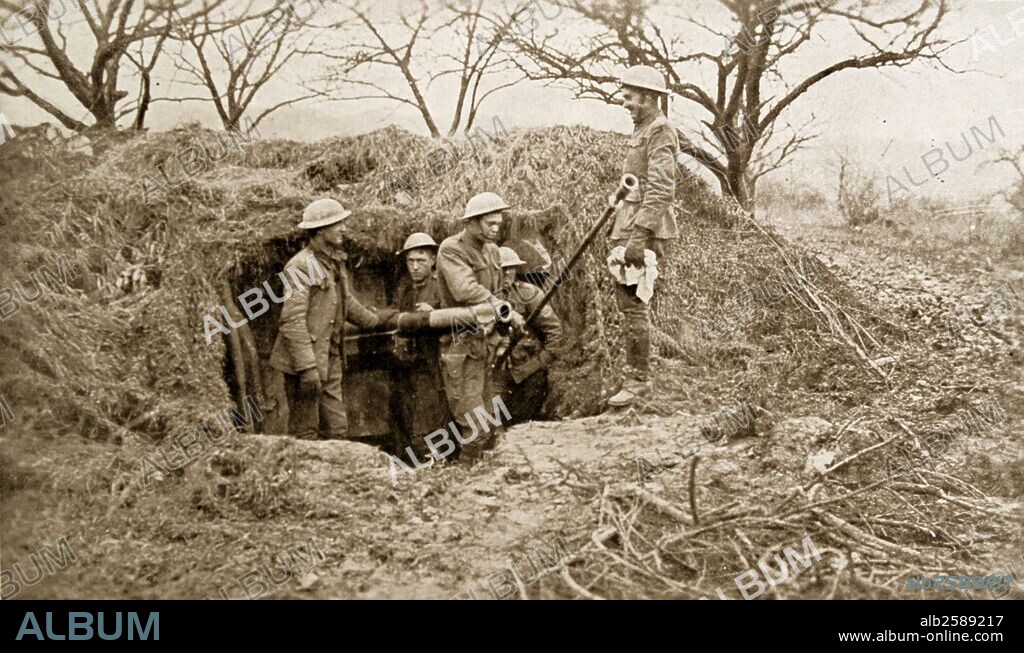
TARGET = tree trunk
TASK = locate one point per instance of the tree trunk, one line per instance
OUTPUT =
(738, 185)
(104, 115)
(140, 114)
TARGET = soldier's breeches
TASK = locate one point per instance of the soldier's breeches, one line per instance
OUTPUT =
(636, 315)
(469, 387)
(637, 325)
(308, 413)
(636, 319)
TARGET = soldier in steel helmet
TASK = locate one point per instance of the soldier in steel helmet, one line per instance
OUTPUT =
(417, 291)
(645, 220)
(308, 348)
(418, 401)
(468, 274)
(524, 381)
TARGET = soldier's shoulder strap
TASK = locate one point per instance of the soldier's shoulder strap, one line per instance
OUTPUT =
(661, 123)
(451, 241)
(310, 271)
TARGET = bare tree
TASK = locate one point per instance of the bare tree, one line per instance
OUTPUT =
(234, 53)
(120, 29)
(1015, 193)
(466, 43)
(742, 108)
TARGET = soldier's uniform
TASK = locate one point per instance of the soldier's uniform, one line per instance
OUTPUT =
(646, 215)
(408, 295)
(469, 273)
(420, 402)
(310, 336)
(525, 381)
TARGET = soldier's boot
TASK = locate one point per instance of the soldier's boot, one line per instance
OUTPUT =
(633, 390)
(638, 353)
(473, 452)
(492, 440)
(473, 440)
(419, 449)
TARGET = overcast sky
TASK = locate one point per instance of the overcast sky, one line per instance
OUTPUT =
(888, 120)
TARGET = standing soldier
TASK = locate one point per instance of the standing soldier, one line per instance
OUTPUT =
(526, 379)
(308, 345)
(419, 400)
(645, 220)
(469, 273)
(417, 291)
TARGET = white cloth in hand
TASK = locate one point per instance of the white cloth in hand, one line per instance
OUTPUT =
(629, 275)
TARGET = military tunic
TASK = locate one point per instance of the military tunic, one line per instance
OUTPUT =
(469, 273)
(538, 348)
(310, 336)
(646, 214)
(421, 403)
(545, 336)
(409, 295)
(651, 157)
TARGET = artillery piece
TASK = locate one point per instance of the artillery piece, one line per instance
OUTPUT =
(397, 366)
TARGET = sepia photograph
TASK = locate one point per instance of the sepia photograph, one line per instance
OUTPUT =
(512, 300)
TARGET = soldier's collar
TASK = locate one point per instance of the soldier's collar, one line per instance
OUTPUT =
(338, 257)
(476, 241)
(648, 120)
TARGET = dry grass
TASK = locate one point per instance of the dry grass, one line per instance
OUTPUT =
(130, 355)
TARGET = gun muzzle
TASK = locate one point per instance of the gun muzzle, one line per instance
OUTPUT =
(627, 185)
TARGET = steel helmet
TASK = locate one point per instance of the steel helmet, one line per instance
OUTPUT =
(322, 213)
(483, 204)
(417, 241)
(509, 258)
(644, 77)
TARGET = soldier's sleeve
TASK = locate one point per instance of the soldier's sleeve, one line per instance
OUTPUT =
(433, 295)
(551, 329)
(662, 147)
(355, 312)
(548, 326)
(293, 324)
(462, 283)
(402, 299)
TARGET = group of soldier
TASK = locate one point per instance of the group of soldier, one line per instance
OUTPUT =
(469, 269)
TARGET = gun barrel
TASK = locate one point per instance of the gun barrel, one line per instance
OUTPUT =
(442, 320)
(627, 184)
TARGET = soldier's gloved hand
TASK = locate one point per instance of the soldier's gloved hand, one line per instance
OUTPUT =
(309, 382)
(423, 306)
(635, 251)
(517, 321)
